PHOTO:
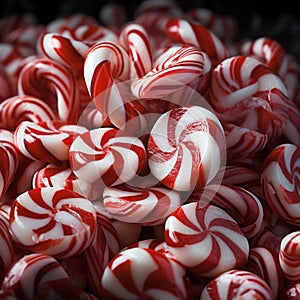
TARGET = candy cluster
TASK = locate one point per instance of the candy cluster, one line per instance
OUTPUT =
(152, 159)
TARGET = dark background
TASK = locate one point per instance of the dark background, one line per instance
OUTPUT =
(278, 20)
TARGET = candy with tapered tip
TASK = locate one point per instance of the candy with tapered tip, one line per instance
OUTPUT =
(206, 239)
(279, 173)
(53, 221)
(107, 155)
(289, 256)
(52, 82)
(16, 109)
(47, 141)
(146, 206)
(237, 284)
(186, 148)
(141, 272)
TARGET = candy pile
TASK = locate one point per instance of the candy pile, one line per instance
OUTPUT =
(152, 159)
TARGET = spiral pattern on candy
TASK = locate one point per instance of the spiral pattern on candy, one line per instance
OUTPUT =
(289, 256)
(247, 94)
(107, 155)
(53, 221)
(238, 202)
(46, 141)
(175, 68)
(141, 272)
(205, 239)
(280, 181)
(36, 276)
(193, 33)
(63, 50)
(146, 206)
(16, 109)
(186, 148)
(237, 284)
(52, 82)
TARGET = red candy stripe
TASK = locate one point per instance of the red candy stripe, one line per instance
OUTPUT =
(53, 221)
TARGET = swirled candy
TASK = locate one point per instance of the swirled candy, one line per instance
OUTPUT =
(53, 221)
(186, 148)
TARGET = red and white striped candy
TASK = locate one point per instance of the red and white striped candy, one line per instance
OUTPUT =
(264, 263)
(270, 51)
(107, 155)
(52, 82)
(173, 69)
(140, 205)
(238, 202)
(104, 63)
(247, 94)
(63, 50)
(37, 276)
(140, 272)
(244, 177)
(91, 34)
(62, 176)
(193, 33)
(16, 109)
(289, 256)
(46, 141)
(9, 158)
(237, 284)
(279, 179)
(69, 22)
(6, 252)
(206, 239)
(186, 148)
(53, 221)
(134, 37)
